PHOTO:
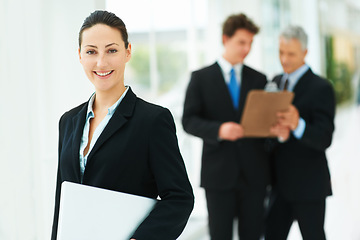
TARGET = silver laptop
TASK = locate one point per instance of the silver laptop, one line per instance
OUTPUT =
(90, 213)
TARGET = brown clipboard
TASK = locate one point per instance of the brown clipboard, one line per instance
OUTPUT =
(260, 111)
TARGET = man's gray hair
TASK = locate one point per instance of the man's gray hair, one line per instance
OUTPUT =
(295, 32)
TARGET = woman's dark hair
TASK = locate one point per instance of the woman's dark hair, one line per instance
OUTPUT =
(107, 18)
(239, 21)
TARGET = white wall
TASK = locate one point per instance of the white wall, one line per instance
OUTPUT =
(306, 14)
(40, 78)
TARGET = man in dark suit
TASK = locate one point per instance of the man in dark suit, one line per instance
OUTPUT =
(235, 171)
(302, 179)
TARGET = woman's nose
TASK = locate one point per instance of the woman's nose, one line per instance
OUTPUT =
(101, 61)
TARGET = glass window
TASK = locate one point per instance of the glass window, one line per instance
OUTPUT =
(161, 32)
(167, 40)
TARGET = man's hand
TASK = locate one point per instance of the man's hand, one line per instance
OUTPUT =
(289, 118)
(231, 131)
(283, 133)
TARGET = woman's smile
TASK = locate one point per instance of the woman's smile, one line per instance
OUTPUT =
(103, 74)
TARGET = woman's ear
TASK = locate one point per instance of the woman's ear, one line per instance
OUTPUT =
(128, 52)
(79, 54)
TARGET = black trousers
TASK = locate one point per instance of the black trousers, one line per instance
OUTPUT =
(310, 216)
(225, 206)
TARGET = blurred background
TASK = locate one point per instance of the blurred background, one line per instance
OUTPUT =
(41, 78)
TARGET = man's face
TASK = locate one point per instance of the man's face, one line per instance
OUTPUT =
(238, 46)
(292, 56)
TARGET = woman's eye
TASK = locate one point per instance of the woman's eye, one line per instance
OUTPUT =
(112, 51)
(90, 52)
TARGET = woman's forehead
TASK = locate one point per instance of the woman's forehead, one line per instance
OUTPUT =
(101, 34)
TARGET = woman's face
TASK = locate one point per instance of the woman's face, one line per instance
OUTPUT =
(103, 57)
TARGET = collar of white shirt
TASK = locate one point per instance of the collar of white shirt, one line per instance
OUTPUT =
(226, 68)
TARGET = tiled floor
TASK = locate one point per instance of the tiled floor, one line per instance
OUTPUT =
(343, 208)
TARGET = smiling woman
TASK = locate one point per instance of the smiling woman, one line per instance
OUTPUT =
(118, 141)
(103, 55)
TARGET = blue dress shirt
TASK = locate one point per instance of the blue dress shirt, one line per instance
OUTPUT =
(99, 129)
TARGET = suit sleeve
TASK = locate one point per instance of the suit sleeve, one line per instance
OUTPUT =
(58, 188)
(170, 215)
(320, 124)
(193, 119)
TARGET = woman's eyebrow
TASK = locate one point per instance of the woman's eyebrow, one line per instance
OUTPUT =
(111, 44)
(108, 45)
(91, 46)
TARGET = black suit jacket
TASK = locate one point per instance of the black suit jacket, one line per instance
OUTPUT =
(136, 153)
(301, 168)
(226, 165)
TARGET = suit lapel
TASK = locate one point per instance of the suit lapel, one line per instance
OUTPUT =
(121, 115)
(244, 89)
(246, 85)
(78, 127)
(277, 80)
(301, 85)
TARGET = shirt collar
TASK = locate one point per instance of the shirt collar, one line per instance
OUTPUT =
(226, 66)
(226, 69)
(111, 110)
(90, 112)
(294, 77)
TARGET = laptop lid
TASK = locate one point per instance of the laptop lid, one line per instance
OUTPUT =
(90, 213)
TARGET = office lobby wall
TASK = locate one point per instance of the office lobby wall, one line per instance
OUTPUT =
(40, 78)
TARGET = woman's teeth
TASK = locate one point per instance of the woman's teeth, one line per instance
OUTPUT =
(103, 74)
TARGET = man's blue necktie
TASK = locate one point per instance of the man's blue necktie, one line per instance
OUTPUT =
(234, 89)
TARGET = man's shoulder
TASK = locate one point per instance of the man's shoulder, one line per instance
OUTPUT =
(207, 69)
(251, 71)
(206, 74)
(317, 80)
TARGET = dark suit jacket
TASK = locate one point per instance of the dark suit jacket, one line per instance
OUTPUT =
(301, 168)
(226, 165)
(137, 153)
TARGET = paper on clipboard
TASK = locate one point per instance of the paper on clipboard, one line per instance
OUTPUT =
(260, 111)
(90, 213)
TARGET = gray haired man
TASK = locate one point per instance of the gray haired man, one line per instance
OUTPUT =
(301, 173)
